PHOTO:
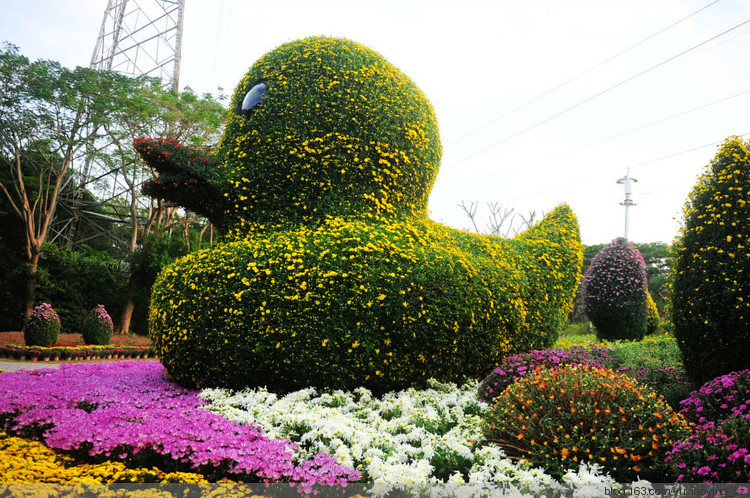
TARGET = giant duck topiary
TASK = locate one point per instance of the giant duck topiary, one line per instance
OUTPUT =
(330, 274)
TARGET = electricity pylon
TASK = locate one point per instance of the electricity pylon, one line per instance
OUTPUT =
(137, 37)
(140, 37)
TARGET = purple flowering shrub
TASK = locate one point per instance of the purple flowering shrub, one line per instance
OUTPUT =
(521, 365)
(133, 413)
(718, 450)
(42, 327)
(614, 292)
(714, 453)
(718, 400)
(97, 327)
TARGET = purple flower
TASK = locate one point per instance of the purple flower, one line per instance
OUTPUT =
(715, 401)
(703, 471)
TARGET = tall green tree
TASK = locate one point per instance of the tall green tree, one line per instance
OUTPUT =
(194, 119)
(44, 112)
(61, 127)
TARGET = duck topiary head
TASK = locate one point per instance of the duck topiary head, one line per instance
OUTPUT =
(326, 126)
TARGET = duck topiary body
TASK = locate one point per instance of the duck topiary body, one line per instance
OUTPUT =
(330, 273)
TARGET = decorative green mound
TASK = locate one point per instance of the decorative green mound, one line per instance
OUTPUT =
(330, 273)
(711, 290)
(558, 417)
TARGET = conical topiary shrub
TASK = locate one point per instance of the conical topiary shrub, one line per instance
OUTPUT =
(653, 320)
(615, 290)
(42, 327)
(711, 270)
(97, 327)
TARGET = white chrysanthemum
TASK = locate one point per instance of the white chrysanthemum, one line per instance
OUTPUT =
(429, 436)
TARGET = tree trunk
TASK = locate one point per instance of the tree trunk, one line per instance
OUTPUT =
(127, 308)
(30, 286)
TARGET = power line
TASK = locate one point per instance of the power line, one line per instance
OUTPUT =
(680, 153)
(592, 68)
(661, 120)
(650, 161)
(598, 94)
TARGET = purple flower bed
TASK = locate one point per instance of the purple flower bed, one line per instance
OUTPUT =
(123, 409)
(520, 365)
(718, 450)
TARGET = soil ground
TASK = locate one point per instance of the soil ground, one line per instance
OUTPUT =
(122, 340)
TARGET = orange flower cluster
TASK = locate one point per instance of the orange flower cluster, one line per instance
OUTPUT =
(561, 416)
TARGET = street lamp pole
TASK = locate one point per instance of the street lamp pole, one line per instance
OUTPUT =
(628, 182)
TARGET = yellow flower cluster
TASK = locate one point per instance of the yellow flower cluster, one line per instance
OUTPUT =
(710, 281)
(331, 274)
(24, 461)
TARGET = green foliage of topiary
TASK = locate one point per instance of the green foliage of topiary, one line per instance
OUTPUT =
(711, 271)
(561, 416)
(653, 320)
(330, 273)
(353, 303)
(97, 327)
(614, 292)
(42, 327)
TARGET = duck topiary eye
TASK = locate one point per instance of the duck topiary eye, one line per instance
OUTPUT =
(253, 97)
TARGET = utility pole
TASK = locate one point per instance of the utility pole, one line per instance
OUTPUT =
(628, 182)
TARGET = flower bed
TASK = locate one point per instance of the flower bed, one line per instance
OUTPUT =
(75, 352)
(22, 460)
(126, 415)
(128, 411)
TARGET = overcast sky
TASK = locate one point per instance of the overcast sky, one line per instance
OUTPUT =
(539, 102)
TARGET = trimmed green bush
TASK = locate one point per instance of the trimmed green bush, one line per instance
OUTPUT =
(97, 327)
(561, 416)
(330, 273)
(615, 291)
(711, 271)
(42, 327)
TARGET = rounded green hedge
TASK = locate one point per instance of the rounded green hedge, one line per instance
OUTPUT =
(330, 273)
(711, 290)
(615, 290)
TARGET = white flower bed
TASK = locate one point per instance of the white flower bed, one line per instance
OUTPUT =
(429, 436)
